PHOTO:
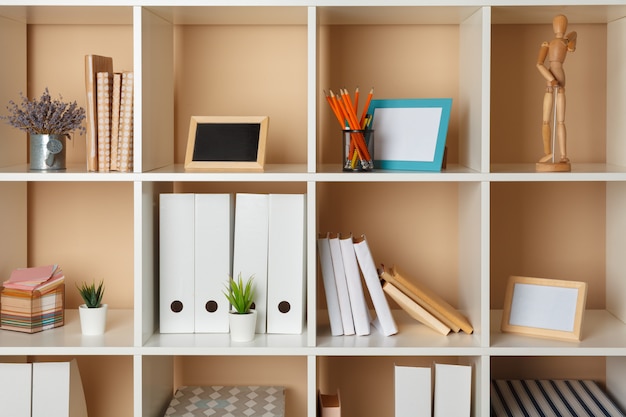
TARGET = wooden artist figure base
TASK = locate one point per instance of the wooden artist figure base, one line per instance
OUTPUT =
(553, 167)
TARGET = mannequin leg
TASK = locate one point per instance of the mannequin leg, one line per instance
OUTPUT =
(561, 132)
(546, 134)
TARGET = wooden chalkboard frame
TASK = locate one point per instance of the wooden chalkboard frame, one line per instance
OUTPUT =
(246, 163)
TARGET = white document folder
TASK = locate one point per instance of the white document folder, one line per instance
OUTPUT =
(214, 222)
(453, 390)
(342, 286)
(360, 313)
(413, 391)
(330, 287)
(250, 248)
(57, 390)
(286, 264)
(176, 254)
(15, 389)
(372, 281)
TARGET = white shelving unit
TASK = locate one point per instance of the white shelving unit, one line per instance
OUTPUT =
(462, 231)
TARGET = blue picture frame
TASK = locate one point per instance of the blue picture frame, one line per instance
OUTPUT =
(410, 134)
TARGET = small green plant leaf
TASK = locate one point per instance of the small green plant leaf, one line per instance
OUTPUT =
(239, 294)
(91, 294)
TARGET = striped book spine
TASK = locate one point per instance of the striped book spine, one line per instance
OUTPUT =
(125, 140)
(103, 89)
(550, 398)
(115, 119)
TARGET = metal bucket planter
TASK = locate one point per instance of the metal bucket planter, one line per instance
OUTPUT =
(47, 152)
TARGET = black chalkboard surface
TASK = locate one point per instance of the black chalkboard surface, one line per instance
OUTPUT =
(226, 143)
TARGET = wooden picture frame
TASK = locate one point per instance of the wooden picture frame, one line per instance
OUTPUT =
(226, 143)
(544, 307)
(410, 134)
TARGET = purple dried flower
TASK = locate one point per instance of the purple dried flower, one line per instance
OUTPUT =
(45, 116)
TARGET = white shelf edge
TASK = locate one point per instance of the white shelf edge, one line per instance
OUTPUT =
(68, 340)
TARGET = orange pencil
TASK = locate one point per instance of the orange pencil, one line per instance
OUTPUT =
(343, 108)
(354, 125)
(334, 108)
(367, 104)
(341, 105)
(357, 139)
(356, 99)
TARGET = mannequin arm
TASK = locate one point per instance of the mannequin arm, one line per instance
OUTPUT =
(543, 53)
(571, 41)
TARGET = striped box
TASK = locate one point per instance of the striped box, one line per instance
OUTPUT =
(32, 311)
(550, 398)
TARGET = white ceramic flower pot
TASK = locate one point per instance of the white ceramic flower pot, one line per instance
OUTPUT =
(242, 326)
(92, 320)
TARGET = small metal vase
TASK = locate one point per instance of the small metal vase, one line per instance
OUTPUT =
(47, 152)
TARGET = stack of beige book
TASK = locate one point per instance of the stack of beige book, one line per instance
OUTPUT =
(422, 304)
(110, 107)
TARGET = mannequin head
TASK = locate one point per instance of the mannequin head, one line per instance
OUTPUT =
(559, 24)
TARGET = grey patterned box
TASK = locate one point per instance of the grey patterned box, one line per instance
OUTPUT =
(227, 401)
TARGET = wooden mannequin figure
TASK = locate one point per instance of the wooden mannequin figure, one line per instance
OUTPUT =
(556, 51)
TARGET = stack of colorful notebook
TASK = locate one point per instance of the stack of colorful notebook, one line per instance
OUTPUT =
(33, 299)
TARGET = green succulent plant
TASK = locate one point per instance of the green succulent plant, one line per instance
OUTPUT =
(91, 294)
(240, 294)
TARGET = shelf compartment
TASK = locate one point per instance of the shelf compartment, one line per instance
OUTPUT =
(374, 394)
(400, 38)
(85, 228)
(162, 375)
(343, 64)
(607, 371)
(261, 71)
(438, 244)
(200, 343)
(594, 129)
(36, 33)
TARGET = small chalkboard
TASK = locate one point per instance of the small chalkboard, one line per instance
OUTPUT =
(226, 143)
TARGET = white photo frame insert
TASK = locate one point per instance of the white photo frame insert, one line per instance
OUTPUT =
(544, 307)
(410, 133)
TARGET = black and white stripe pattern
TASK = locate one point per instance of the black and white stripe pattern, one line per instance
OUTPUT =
(550, 398)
